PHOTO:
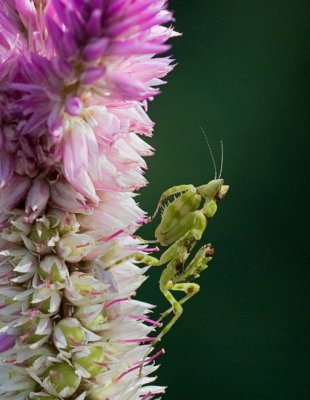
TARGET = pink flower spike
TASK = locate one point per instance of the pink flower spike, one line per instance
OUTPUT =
(76, 78)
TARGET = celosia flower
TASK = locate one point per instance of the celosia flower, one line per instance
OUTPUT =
(75, 78)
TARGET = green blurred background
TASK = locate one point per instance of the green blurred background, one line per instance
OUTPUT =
(242, 75)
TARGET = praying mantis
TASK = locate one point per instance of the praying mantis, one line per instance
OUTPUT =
(183, 223)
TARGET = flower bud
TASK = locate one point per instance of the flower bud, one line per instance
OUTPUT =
(54, 269)
(7, 341)
(92, 75)
(74, 105)
(92, 317)
(89, 361)
(11, 306)
(18, 227)
(65, 197)
(14, 192)
(73, 247)
(68, 333)
(43, 236)
(95, 50)
(84, 289)
(37, 199)
(38, 360)
(36, 331)
(47, 299)
(15, 382)
(61, 380)
(24, 263)
(64, 221)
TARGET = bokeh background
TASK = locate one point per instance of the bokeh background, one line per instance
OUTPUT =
(242, 75)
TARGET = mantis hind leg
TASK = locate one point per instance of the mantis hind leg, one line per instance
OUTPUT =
(192, 271)
(190, 289)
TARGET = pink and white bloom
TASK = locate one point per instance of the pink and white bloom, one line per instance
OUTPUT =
(75, 79)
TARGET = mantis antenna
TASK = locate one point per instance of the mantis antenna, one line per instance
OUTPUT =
(211, 153)
(222, 158)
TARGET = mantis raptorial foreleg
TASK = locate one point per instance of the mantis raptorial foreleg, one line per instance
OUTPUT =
(171, 192)
(175, 190)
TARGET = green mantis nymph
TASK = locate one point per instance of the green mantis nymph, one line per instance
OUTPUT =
(183, 223)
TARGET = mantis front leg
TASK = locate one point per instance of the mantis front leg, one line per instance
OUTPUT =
(170, 192)
(139, 257)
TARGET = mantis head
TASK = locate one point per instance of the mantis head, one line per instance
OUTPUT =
(213, 190)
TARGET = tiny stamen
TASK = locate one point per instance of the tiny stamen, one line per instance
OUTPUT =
(126, 372)
(138, 365)
(156, 355)
(145, 319)
(110, 303)
(145, 250)
(102, 364)
(107, 238)
(141, 340)
(80, 246)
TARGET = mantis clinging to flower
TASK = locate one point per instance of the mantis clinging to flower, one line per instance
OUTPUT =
(183, 223)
